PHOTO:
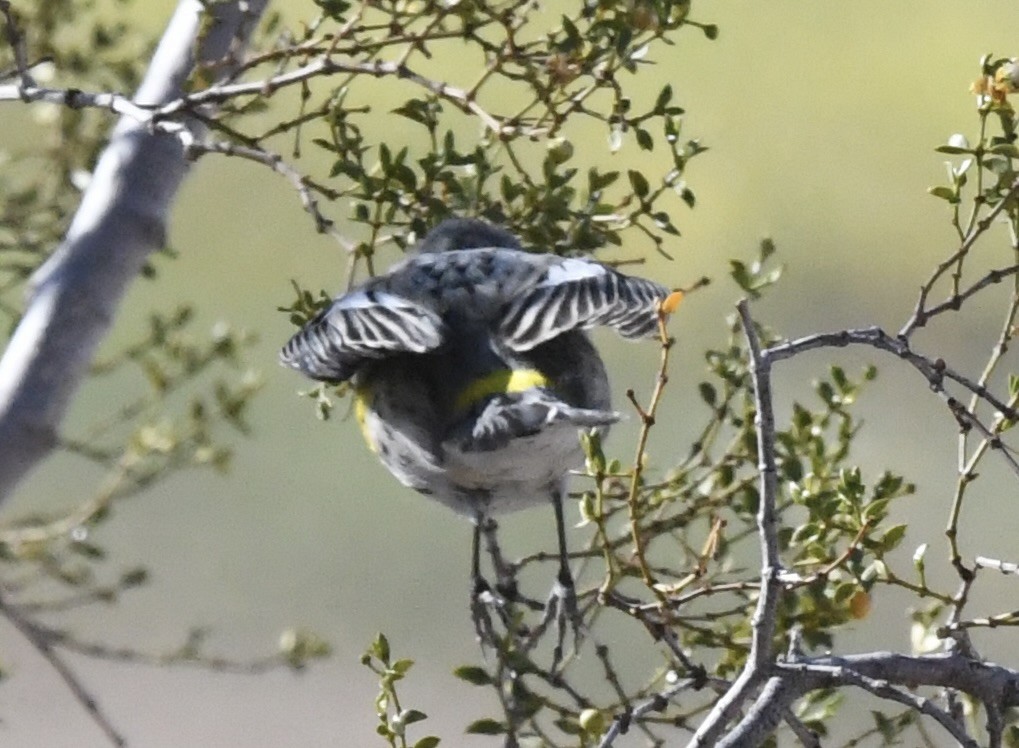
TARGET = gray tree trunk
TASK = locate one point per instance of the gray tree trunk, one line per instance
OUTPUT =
(122, 218)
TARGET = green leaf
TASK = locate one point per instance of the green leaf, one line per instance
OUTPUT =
(560, 151)
(875, 511)
(427, 742)
(380, 648)
(573, 40)
(88, 550)
(644, 139)
(486, 726)
(663, 222)
(623, 40)
(844, 591)
(838, 376)
(568, 726)
(639, 183)
(892, 537)
(405, 175)
(421, 111)
(134, 577)
(1005, 149)
(599, 181)
(413, 715)
(998, 165)
(957, 143)
(944, 193)
(414, 110)
(334, 8)
(664, 97)
(826, 392)
(792, 468)
(672, 127)
(401, 666)
(708, 393)
(473, 674)
(885, 726)
(740, 274)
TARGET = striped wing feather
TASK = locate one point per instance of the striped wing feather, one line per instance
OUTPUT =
(362, 325)
(527, 300)
(577, 294)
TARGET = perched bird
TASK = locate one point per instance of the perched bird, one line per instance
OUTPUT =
(471, 370)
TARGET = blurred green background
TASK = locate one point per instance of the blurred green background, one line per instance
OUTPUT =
(821, 119)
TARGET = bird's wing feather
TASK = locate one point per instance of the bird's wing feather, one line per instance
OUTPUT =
(575, 294)
(361, 325)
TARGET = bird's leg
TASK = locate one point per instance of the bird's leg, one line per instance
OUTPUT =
(482, 595)
(506, 582)
(564, 591)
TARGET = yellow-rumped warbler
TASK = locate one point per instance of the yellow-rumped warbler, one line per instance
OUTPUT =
(471, 369)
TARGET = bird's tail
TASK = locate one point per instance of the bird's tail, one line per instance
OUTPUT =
(513, 415)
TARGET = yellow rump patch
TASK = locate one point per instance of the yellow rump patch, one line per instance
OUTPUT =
(497, 383)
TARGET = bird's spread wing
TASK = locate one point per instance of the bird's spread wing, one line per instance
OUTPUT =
(575, 294)
(364, 324)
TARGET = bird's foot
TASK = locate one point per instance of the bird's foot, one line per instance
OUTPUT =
(562, 608)
(484, 599)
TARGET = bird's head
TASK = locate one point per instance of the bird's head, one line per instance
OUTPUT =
(466, 233)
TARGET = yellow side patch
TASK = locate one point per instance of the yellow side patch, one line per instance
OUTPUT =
(498, 383)
(361, 399)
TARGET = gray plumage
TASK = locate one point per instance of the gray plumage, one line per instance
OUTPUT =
(470, 307)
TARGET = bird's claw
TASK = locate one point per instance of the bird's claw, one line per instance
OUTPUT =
(483, 597)
(562, 608)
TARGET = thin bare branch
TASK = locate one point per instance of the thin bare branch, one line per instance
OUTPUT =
(953, 304)
(657, 703)
(763, 620)
(305, 189)
(920, 313)
(42, 641)
(330, 66)
(936, 371)
(16, 41)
